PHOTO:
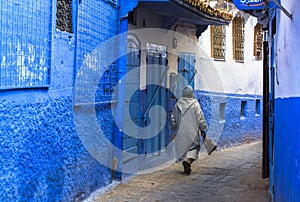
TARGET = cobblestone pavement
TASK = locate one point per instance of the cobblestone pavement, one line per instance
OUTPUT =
(232, 174)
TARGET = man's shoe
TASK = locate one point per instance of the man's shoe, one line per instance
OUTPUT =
(187, 167)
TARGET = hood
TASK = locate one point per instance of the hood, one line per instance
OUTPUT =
(185, 103)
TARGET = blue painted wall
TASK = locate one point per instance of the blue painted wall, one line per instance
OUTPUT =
(285, 60)
(287, 153)
(41, 155)
(234, 129)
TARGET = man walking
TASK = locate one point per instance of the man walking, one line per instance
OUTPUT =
(187, 121)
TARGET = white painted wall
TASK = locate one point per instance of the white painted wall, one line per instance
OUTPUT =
(287, 82)
(215, 76)
(229, 76)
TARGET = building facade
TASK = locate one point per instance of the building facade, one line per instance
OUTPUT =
(280, 129)
(65, 90)
(284, 150)
(229, 85)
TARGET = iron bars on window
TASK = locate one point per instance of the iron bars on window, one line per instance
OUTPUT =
(25, 39)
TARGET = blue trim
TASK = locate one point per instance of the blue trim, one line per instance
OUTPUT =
(74, 11)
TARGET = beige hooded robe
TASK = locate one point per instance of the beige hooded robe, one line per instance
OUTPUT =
(188, 121)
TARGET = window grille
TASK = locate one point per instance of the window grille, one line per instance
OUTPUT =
(238, 32)
(218, 42)
(25, 41)
(97, 23)
(64, 15)
(258, 41)
(106, 85)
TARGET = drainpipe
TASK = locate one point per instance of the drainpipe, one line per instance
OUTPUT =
(266, 96)
(272, 32)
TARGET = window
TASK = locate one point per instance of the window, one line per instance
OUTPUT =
(218, 42)
(222, 111)
(258, 41)
(243, 109)
(25, 43)
(92, 19)
(238, 38)
(257, 107)
(64, 15)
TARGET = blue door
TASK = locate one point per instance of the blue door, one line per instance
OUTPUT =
(132, 104)
(186, 70)
(156, 94)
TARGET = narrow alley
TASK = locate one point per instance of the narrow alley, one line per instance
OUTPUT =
(95, 93)
(232, 174)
